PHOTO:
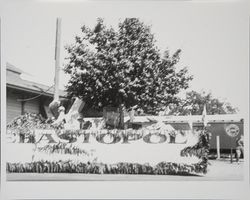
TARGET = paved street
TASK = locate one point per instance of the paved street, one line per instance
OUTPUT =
(219, 170)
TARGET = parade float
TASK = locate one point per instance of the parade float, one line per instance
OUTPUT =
(70, 145)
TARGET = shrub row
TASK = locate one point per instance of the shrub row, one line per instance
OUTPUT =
(163, 168)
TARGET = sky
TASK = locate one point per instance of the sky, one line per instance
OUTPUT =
(213, 36)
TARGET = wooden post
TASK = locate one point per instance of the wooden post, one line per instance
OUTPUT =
(218, 146)
(57, 58)
(231, 152)
(231, 155)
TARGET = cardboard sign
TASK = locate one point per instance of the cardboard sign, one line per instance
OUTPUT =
(111, 116)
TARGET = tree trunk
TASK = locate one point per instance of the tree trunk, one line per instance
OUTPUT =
(121, 113)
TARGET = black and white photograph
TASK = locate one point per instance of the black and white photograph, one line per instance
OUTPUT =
(100, 94)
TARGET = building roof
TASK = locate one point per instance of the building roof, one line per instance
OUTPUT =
(14, 80)
(13, 69)
(187, 119)
(181, 119)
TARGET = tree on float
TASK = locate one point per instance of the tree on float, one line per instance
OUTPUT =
(123, 68)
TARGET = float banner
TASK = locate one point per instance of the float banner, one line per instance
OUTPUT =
(145, 146)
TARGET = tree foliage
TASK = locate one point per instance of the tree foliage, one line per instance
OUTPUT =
(194, 104)
(124, 66)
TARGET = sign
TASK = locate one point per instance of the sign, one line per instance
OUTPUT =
(111, 146)
(232, 130)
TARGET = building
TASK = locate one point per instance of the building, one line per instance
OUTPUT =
(26, 96)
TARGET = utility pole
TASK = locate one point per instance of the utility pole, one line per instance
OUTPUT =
(57, 58)
(55, 104)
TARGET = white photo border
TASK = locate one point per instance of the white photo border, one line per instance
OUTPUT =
(115, 189)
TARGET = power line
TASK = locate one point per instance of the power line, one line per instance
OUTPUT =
(28, 99)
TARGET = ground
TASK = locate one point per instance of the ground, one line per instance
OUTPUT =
(218, 170)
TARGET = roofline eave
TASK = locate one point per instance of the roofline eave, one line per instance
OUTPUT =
(30, 90)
